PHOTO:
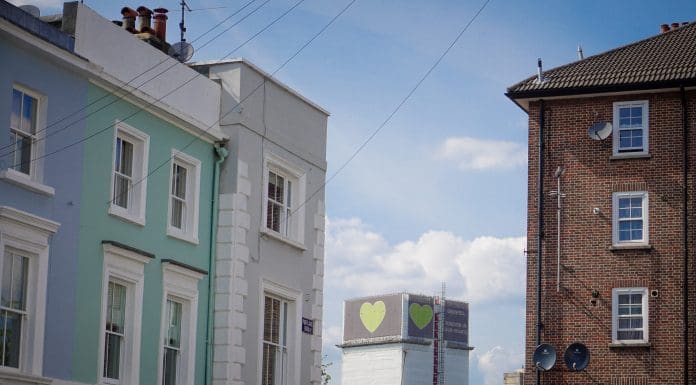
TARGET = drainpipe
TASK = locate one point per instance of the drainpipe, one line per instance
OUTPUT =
(221, 153)
(540, 228)
(685, 170)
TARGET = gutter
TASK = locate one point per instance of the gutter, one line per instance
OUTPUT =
(540, 228)
(685, 197)
(221, 153)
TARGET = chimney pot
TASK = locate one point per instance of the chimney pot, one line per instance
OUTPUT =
(161, 23)
(129, 18)
(144, 19)
(685, 23)
(675, 25)
(664, 28)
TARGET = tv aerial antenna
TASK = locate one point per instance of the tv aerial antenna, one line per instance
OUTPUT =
(182, 51)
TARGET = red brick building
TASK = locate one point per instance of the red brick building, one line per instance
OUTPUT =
(626, 282)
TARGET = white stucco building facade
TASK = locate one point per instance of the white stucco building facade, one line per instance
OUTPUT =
(270, 245)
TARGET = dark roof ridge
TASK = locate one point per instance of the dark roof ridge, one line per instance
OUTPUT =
(690, 24)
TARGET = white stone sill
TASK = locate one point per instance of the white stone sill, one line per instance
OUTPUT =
(118, 213)
(173, 233)
(630, 156)
(630, 345)
(272, 234)
(25, 181)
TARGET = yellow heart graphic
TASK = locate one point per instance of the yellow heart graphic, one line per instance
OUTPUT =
(372, 315)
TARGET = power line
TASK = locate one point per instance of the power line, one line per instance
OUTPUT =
(198, 136)
(123, 87)
(149, 104)
(398, 107)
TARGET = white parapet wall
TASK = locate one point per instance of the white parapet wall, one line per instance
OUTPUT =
(401, 364)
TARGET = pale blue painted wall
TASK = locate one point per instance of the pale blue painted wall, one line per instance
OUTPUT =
(65, 92)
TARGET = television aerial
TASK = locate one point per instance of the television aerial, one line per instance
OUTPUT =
(600, 130)
(577, 357)
(544, 357)
(182, 51)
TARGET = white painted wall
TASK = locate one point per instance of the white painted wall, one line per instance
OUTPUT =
(372, 365)
(387, 364)
(124, 56)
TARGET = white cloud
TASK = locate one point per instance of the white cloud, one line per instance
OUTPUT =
(479, 270)
(482, 154)
(497, 361)
(52, 4)
(331, 336)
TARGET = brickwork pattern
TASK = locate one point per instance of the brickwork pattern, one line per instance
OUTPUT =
(587, 263)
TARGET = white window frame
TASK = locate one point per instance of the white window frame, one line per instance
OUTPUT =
(126, 268)
(28, 235)
(141, 146)
(298, 178)
(294, 342)
(645, 127)
(181, 285)
(615, 218)
(193, 188)
(615, 314)
(33, 181)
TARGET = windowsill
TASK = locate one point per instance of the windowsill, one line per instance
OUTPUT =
(181, 236)
(118, 213)
(17, 377)
(645, 246)
(25, 181)
(630, 155)
(630, 345)
(276, 236)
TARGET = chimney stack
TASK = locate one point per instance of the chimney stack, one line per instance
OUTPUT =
(129, 18)
(144, 19)
(161, 23)
(664, 28)
(675, 25)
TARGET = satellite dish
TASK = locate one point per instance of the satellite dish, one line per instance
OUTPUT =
(544, 357)
(181, 51)
(600, 130)
(576, 356)
(31, 9)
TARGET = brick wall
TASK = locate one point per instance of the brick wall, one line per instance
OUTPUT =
(587, 263)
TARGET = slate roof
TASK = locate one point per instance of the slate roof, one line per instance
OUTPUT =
(661, 61)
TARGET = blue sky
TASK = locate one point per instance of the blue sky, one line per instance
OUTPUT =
(440, 193)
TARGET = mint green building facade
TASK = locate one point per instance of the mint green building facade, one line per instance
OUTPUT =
(150, 237)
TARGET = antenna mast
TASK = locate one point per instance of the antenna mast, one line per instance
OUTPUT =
(439, 339)
(182, 26)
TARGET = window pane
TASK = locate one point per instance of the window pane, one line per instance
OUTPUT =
(126, 162)
(174, 324)
(624, 310)
(624, 323)
(268, 370)
(179, 181)
(16, 109)
(19, 282)
(170, 365)
(177, 213)
(7, 279)
(273, 211)
(112, 356)
(28, 123)
(624, 112)
(115, 310)
(624, 298)
(280, 189)
(288, 202)
(121, 190)
(624, 212)
(629, 334)
(10, 338)
(636, 298)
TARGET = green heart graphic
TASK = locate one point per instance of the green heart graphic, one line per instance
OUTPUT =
(420, 315)
(372, 315)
